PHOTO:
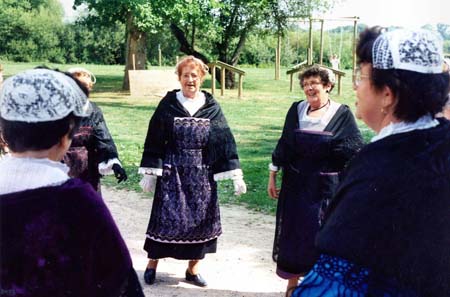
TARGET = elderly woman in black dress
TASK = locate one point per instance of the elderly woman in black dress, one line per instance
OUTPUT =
(188, 147)
(319, 137)
(387, 229)
(93, 152)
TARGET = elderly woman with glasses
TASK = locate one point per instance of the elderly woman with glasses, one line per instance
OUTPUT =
(319, 137)
(57, 235)
(386, 231)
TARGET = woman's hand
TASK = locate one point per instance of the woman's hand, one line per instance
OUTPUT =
(148, 183)
(272, 189)
(239, 186)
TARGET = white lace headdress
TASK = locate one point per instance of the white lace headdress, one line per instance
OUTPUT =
(41, 95)
(331, 76)
(414, 50)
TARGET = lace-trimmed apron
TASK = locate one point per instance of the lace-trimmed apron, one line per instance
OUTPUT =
(186, 209)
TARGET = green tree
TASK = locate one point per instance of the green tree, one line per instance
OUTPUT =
(207, 29)
(139, 17)
(29, 30)
(227, 24)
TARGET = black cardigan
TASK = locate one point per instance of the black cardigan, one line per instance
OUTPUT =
(391, 212)
(221, 152)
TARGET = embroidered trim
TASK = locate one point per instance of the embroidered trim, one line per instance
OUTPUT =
(185, 119)
(273, 168)
(182, 241)
(105, 168)
(150, 171)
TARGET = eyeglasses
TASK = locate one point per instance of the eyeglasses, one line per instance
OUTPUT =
(313, 84)
(358, 77)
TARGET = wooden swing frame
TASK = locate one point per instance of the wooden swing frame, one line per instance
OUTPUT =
(339, 74)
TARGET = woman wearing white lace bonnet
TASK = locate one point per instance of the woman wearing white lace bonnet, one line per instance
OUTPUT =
(55, 229)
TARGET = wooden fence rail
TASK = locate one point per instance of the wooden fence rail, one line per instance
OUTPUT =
(223, 66)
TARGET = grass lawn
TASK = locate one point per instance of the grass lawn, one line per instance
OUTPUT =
(256, 121)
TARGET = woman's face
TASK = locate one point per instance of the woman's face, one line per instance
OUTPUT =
(315, 91)
(190, 80)
(368, 99)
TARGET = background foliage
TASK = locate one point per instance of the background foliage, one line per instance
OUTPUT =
(33, 30)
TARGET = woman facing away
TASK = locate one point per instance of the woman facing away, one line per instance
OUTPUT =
(387, 229)
(188, 147)
(57, 235)
(318, 138)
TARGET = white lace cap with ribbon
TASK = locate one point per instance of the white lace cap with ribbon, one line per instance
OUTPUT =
(415, 50)
(41, 95)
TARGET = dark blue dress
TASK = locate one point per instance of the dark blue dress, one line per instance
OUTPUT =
(185, 219)
(311, 162)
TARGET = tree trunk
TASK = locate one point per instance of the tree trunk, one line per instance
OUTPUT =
(188, 49)
(222, 48)
(230, 82)
(137, 47)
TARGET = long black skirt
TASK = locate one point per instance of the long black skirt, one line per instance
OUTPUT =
(196, 251)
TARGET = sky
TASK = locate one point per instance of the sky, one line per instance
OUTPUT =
(403, 13)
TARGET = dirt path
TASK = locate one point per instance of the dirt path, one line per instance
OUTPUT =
(241, 267)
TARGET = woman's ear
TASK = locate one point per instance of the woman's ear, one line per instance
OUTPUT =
(59, 150)
(389, 100)
(65, 142)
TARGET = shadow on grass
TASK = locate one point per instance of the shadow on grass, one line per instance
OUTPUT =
(122, 105)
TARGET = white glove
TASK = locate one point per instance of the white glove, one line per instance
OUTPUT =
(148, 183)
(239, 186)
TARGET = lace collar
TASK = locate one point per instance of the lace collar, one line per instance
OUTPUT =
(20, 174)
(424, 122)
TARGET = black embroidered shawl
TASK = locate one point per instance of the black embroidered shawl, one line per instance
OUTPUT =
(346, 139)
(391, 212)
(221, 151)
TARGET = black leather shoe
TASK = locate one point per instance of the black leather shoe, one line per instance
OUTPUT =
(149, 276)
(196, 279)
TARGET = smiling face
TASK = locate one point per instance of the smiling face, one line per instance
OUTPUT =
(315, 91)
(190, 79)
